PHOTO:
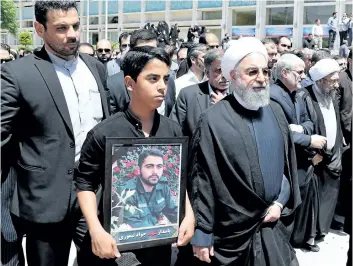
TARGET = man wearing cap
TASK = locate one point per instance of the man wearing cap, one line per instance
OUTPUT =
(323, 111)
(243, 169)
(290, 73)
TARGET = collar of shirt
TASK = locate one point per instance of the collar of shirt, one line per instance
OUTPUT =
(138, 124)
(192, 77)
(61, 62)
(291, 94)
(211, 89)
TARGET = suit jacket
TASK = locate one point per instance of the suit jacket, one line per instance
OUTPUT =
(298, 115)
(332, 160)
(120, 98)
(344, 97)
(191, 102)
(35, 113)
(113, 67)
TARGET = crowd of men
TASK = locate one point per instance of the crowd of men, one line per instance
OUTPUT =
(269, 127)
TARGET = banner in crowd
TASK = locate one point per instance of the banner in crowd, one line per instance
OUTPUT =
(307, 30)
(276, 32)
(244, 32)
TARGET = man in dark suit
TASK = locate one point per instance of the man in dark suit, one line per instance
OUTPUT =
(50, 100)
(195, 99)
(119, 97)
(290, 73)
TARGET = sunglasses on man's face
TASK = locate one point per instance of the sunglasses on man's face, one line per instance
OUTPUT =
(105, 50)
(125, 45)
(4, 60)
(285, 45)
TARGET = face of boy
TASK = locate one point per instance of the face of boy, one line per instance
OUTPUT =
(150, 87)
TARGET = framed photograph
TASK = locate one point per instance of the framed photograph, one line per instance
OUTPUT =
(145, 190)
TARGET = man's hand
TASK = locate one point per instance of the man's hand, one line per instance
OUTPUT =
(318, 142)
(215, 98)
(273, 213)
(203, 253)
(296, 128)
(103, 245)
(317, 159)
(186, 230)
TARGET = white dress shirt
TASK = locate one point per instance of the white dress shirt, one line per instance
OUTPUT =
(329, 114)
(82, 97)
(187, 80)
(317, 30)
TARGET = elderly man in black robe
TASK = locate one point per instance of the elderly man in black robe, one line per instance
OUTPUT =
(290, 73)
(243, 169)
(323, 110)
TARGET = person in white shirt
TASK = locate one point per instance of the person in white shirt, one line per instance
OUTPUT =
(196, 73)
(317, 33)
(343, 27)
(332, 25)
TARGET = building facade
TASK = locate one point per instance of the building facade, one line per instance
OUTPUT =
(106, 19)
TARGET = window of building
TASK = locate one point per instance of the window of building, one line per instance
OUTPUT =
(279, 16)
(113, 19)
(348, 9)
(318, 1)
(28, 12)
(27, 24)
(3, 38)
(275, 2)
(113, 36)
(244, 17)
(211, 15)
(93, 20)
(311, 14)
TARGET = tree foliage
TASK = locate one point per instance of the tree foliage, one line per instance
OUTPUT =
(8, 16)
(26, 38)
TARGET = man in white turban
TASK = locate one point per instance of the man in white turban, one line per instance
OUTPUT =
(323, 111)
(243, 176)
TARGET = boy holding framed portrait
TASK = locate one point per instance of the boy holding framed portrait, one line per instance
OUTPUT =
(146, 71)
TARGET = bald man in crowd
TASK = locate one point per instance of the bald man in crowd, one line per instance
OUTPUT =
(210, 40)
(243, 172)
(104, 51)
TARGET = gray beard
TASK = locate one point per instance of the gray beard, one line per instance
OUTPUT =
(254, 99)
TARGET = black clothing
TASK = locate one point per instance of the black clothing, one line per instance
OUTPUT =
(34, 113)
(344, 98)
(308, 43)
(90, 173)
(329, 170)
(228, 192)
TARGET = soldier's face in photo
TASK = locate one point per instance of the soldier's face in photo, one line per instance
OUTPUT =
(151, 170)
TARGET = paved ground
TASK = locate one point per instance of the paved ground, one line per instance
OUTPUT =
(333, 252)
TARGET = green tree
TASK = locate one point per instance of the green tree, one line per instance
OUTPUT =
(8, 16)
(26, 38)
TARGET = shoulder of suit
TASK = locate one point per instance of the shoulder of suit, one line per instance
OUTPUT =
(168, 120)
(190, 89)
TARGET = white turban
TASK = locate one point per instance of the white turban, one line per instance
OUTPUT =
(238, 50)
(323, 68)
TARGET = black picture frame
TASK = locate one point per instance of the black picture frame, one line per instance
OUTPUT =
(138, 236)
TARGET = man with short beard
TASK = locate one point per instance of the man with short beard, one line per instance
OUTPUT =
(196, 73)
(49, 102)
(195, 99)
(104, 51)
(323, 110)
(242, 170)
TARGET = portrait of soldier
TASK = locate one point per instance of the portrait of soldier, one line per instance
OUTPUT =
(147, 199)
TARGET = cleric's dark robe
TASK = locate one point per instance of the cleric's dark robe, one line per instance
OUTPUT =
(329, 170)
(228, 193)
